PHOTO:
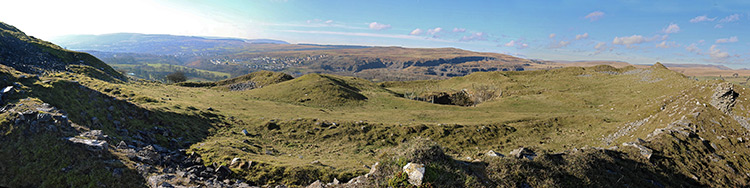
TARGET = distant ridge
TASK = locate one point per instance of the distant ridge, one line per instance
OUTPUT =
(155, 43)
(720, 67)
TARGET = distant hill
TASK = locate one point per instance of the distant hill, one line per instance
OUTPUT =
(155, 43)
(720, 67)
(31, 55)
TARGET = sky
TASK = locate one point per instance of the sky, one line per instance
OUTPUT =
(635, 31)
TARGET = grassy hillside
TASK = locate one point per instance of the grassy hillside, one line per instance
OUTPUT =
(549, 111)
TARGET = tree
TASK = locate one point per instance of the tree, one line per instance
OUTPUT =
(176, 77)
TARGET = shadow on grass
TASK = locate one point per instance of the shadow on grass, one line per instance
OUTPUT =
(45, 159)
(591, 168)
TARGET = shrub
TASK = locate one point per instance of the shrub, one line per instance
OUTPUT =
(176, 77)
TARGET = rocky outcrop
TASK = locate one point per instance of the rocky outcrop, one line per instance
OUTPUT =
(415, 172)
(643, 150)
(460, 98)
(724, 97)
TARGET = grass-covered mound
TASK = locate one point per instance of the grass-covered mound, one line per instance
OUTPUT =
(318, 90)
(253, 80)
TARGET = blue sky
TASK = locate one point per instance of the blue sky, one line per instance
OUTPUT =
(640, 32)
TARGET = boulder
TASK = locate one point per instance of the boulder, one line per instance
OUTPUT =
(724, 97)
(492, 153)
(415, 172)
(373, 169)
(94, 134)
(222, 172)
(93, 145)
(235, 162)
(523, 153)
(244, 132)
(158, 180)
(7, 89)
(122, 145)
(148, 154)
(645, 152)
(316, 184)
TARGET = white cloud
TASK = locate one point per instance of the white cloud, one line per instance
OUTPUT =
(582, 36)
(560, 44)
(552, 35)
(314, 21)
(360, 34)
(635, 39)
(434, 31)
(665, 44)
(329, 21)
(459, 30)
(693, 48)
(417, 31)
(730, 18)
(379, 26)
(703, 18)
(727, 40)
(600, 45)
(596, 15)
(717, 53)
(518, 44)
(718, 26)
(475, 36)
(672, 28)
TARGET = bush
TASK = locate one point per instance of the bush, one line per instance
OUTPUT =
(176, 77)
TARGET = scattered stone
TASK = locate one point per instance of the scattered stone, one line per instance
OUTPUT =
(165, 185)
(724, 97)
(148, 154)
(523, 153)
(7, 89)
(93, 145)
(244, 132)
(316, 184)
(492, 153)
(122, 145)
(222, 172)
(645, 152)
(94, 134)
(415, 172)
(158, 180)
(315, 162)
(235, 162)
(373, 169)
